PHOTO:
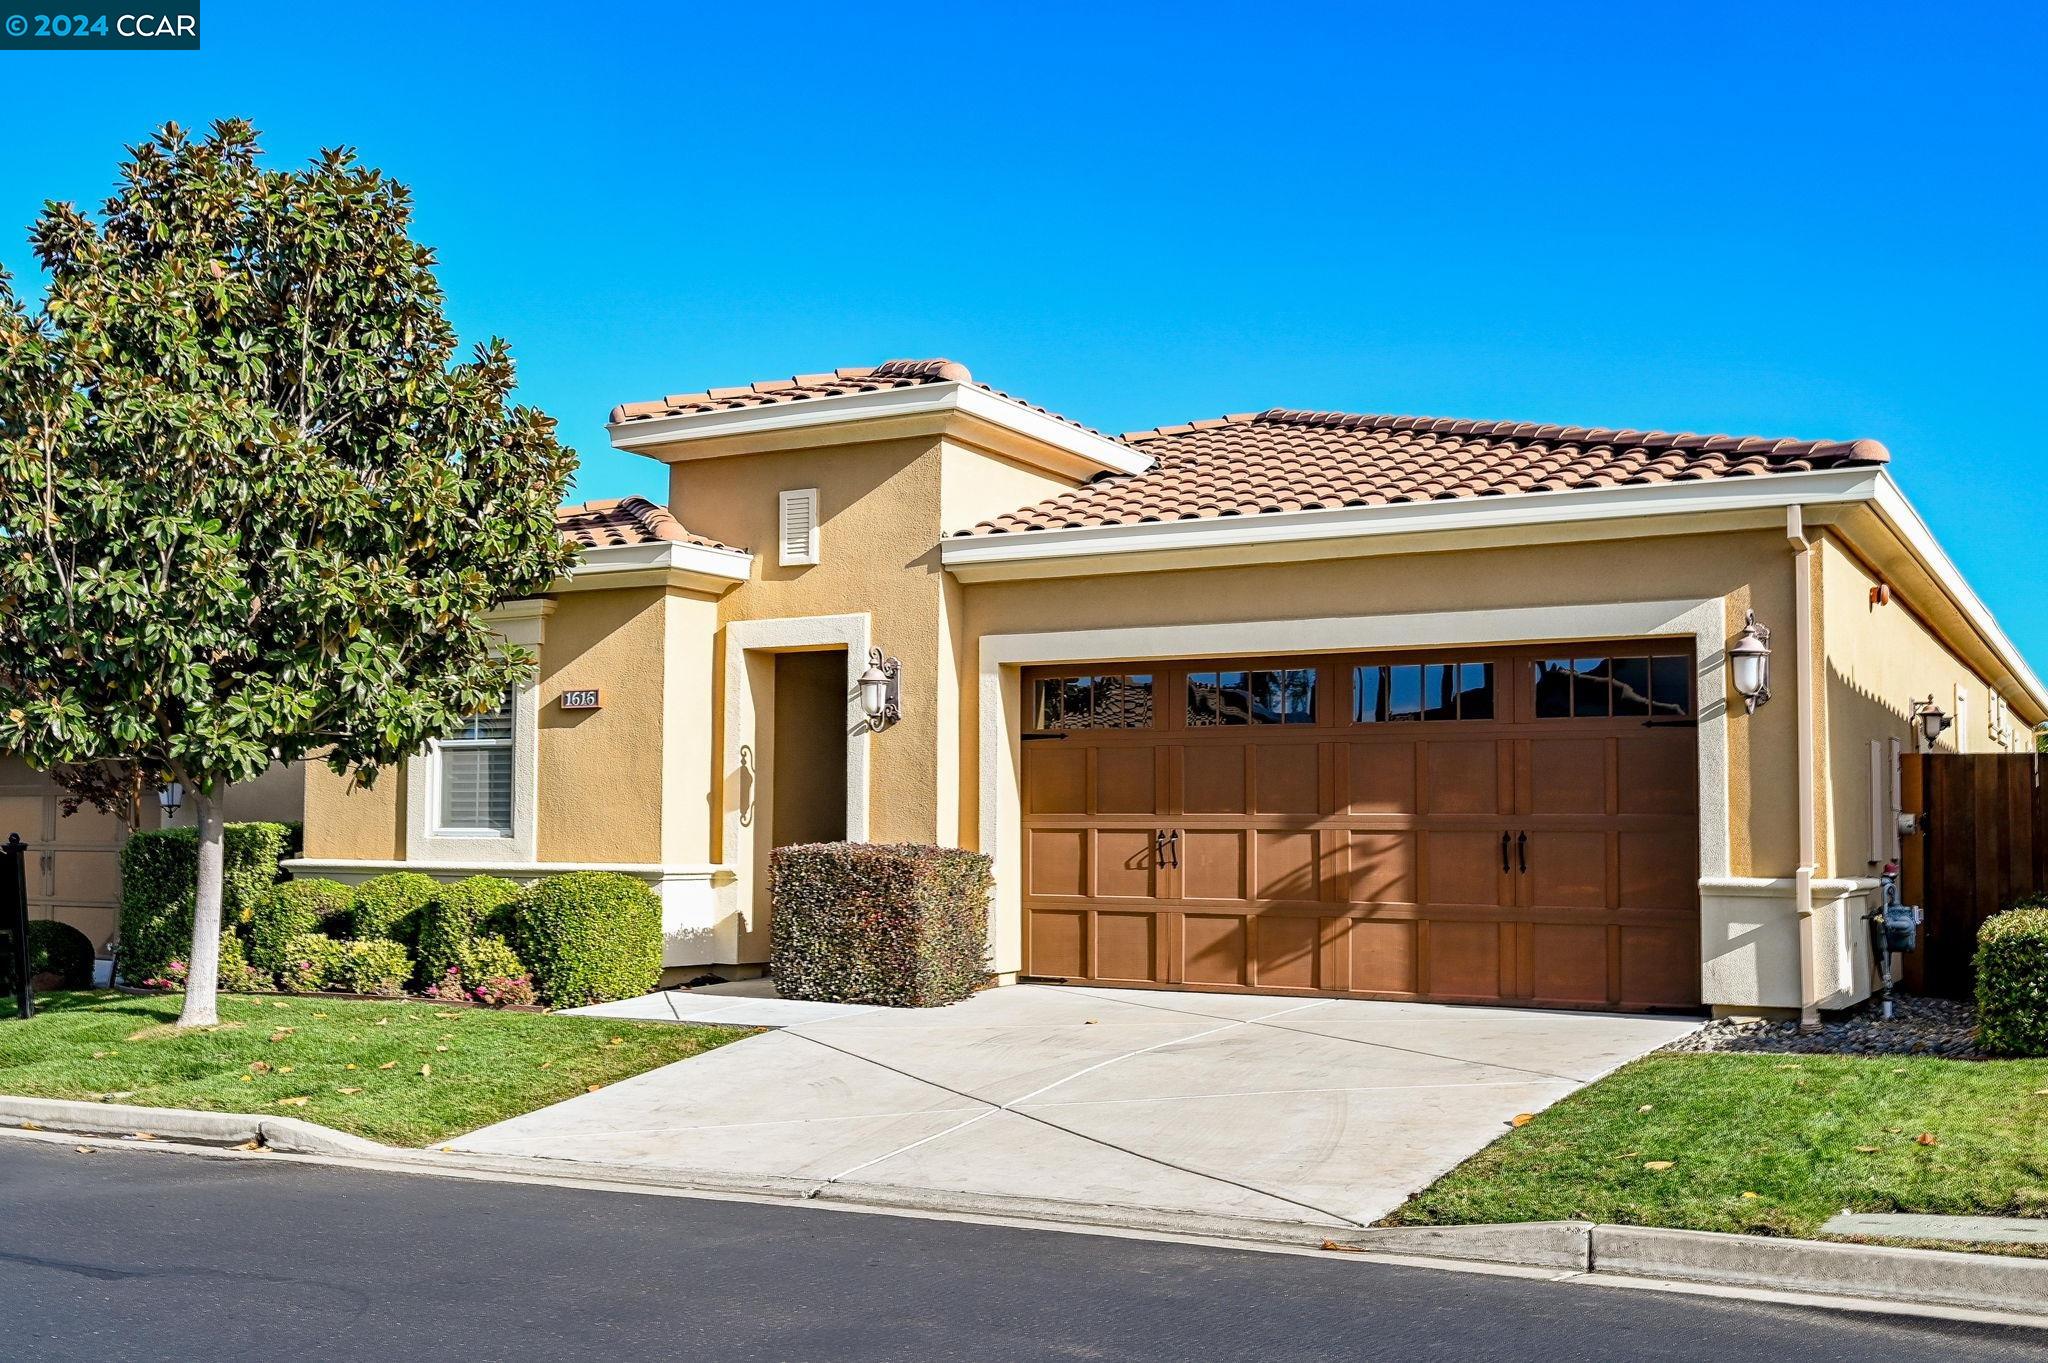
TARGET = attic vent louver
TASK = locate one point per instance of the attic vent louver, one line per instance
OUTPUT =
(799, 534)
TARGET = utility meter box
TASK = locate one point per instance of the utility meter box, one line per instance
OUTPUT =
(1901, 927)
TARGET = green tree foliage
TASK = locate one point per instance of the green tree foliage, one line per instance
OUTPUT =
(253, 507)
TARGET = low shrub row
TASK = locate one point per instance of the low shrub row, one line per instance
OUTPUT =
(572, 939)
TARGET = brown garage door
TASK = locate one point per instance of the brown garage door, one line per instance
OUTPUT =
(1484, 826)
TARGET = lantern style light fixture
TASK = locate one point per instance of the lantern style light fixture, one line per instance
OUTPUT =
(881, 694)
(1930, 721)
(1749, 663)
(170, 797)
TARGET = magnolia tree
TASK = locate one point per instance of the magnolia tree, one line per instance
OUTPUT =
(252, 509)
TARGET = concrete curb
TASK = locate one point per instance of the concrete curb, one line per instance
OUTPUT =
(1901, 1278)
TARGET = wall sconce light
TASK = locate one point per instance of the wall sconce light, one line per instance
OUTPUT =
(881, 693)
(1749, 663)
(1931, 722)
(170, 797)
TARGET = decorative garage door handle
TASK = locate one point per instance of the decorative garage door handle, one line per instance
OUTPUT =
(1522, 851)
(1504, 866)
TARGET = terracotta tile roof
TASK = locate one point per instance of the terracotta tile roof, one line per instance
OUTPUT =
(626, 520)
(1281, 460)
(837, 383)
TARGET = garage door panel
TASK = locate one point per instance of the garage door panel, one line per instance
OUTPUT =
(1658, 773)
(1286, 865)
(1126, 781)
(1126, 946)
(1463, 778)
(1465, 960)
(1461, 867)
(1212, 778)
(1124, 864)
(1382, 869)
(1288, 947)
(1212, 949)
(1566, 775)
(1660, 966)
(86, 876)
(1384, 956)
(1380, 777)
(1287, 780)
(1058, 942)
(1567, 869)
(1057, 861)
(1657, 869)
(1569, 964)
(1055, 778)
(1214, 864)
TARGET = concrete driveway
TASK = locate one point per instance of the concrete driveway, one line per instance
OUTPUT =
(1319, 1110)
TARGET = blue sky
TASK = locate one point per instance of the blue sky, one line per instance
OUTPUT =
(1820, 223)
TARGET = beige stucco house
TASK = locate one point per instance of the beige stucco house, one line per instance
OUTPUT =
(1302, 702)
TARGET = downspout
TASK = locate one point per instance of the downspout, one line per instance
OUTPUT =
(1803, 699)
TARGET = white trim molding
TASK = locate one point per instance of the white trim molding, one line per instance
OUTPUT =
(695, 899)
(518, 622)
(696, 565)
(1003, 656)
(668, 437)
(748, 748)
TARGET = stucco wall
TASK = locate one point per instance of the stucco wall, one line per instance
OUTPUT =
(1880, 659)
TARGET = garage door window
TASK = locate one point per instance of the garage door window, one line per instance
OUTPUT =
(1260, 696)
(1421, 691)
(1654, 686)
(1097, 701)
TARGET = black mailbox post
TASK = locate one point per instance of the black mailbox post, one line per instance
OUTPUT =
(14, 917)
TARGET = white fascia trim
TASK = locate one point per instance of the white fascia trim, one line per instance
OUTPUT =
(1450, 514)
(510, 870)
(921, 399)
(735, 565)
(1904, 521)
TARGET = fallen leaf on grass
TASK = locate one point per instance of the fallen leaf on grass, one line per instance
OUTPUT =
(1521, 1119)
(281, 1033)
(447, 1015)
(426, 1070)
(1752, 1194)
(350, 1065)
(618, 1041)
(440, 1048)
(1866, 1149)
(383, 1022)
(259, 1066)
(593, 1088)
(389, 1064)
(300, 1101)
(284, 1069)
(31, 1126)
(1646, 1107)
(118, 1095)
(1925, 1138)
(357, 1089)
(1660, 1164)
(279, 1003)
(547, 1064)
(248, 1078)
(319, 1015)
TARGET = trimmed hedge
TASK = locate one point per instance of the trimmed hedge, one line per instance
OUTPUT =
(159, 875)
(456, 917)
(902, 925)
(234, 975)
(388, 907)
(54, 948)
(589, 936)
(286, 911)
(315, 962)
(2012, 981)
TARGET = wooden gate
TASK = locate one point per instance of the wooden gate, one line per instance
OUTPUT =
(1984, 844)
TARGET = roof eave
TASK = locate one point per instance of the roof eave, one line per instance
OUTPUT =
(673, 439)
(699, 566)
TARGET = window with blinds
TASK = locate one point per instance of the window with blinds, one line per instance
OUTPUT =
(476, 774)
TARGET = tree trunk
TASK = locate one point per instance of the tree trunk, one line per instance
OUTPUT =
(202, 981)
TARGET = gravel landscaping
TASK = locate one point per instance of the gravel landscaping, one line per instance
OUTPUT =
(1941, 1028)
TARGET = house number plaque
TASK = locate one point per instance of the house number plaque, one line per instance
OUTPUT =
(581, 700)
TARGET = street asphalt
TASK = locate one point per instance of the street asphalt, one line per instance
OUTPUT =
(155, 1255)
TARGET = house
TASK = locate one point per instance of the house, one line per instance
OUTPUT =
(1300, 702)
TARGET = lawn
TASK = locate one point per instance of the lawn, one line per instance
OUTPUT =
(1765, 1144)
(402, 1073)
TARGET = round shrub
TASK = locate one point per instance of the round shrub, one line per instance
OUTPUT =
(54, 949)
(2012, 982)
(456, 916)
(290, 910)
(380, 968)
(490, 957)
(589, 936)
(388, 907)
(233, 977)
(309, 962)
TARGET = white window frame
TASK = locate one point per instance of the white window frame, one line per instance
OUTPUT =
(522, 623)
(509, 744)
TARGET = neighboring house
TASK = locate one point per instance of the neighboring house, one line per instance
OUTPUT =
(74, 860)
(1298, 701)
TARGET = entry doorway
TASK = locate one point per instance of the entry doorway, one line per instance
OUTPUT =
(807, 782)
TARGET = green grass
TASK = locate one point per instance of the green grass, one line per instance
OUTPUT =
(1764, 1144)
(421, 1072)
